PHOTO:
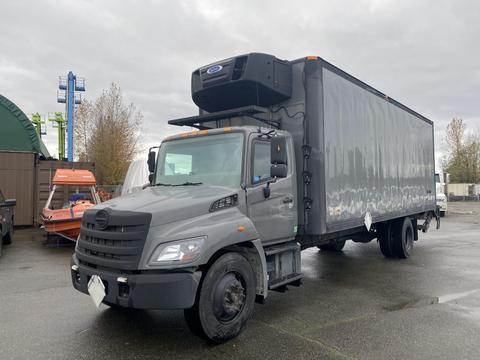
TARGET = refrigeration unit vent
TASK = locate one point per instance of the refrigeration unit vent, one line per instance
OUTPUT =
(252, 79)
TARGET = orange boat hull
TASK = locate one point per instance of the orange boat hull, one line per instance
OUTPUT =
(69, 228)
(66, 221)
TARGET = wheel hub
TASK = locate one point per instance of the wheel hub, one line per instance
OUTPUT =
(229, 297)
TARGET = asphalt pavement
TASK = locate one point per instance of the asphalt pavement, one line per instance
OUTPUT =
(352, 305)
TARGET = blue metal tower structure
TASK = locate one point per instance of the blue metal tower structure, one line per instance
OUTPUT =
(68, 86)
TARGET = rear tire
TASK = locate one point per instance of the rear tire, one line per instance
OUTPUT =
(385, 239)
(225, 299)
(403, 238)
(336, 246)
(442, 213)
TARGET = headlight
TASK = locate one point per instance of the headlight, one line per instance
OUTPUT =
(178, 252)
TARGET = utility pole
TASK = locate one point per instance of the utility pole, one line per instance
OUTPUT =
(57, 118)
(68, 86)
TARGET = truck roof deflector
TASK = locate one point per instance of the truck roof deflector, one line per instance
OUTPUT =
(219, 115)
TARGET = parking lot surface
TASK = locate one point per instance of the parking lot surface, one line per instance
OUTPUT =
(352, 305)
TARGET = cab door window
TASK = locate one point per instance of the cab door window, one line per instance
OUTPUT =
(260, 161)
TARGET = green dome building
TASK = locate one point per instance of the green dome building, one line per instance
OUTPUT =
(17, 132)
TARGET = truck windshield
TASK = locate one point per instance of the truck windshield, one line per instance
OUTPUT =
(209, 160)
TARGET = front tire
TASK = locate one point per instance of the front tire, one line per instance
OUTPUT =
(225, 299)
(442, 213)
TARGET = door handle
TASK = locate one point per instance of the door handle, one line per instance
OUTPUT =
(287, 199)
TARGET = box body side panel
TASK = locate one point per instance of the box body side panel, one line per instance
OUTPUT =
(378, 157)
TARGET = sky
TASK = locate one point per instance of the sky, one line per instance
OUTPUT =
(425, 54)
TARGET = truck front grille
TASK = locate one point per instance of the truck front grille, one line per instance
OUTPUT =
(112, 239)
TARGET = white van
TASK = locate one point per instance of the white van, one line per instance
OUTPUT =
(441, 197)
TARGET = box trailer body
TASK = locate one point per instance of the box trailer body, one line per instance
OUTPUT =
(367, 152)
(288, 155)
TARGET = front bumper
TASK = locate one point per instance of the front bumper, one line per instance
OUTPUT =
(170, 290)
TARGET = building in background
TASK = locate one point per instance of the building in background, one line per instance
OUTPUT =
(17, 132)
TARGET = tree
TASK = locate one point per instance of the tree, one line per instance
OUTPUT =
(82, 130)
(463, 158)
(107, 133)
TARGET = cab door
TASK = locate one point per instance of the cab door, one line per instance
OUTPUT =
(275, 216)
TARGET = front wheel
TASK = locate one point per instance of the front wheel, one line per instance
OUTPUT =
(225, 299)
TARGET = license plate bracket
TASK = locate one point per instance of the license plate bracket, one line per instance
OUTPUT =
(96, 289)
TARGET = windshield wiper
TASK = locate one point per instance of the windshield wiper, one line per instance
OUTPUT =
(162, 184)
(188, 183)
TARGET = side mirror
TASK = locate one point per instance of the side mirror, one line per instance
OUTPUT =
(9, 203)
(278, 157)
(151, 161)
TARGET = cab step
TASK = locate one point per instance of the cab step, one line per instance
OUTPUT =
(283, 265)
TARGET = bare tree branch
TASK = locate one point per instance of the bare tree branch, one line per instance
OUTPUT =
(108, 134)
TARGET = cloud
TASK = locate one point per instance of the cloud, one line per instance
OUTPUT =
(423, 54)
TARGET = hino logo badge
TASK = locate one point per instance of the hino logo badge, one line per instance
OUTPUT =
(214, 69)
(101, 220)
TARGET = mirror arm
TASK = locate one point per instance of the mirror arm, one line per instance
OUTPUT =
(266, 189)
(150, 179)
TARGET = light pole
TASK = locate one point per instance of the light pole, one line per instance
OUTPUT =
(68, 86)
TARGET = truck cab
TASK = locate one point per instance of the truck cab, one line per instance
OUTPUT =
(217, 197)
(287, 155)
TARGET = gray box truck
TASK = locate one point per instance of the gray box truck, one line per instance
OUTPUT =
(288, 155)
